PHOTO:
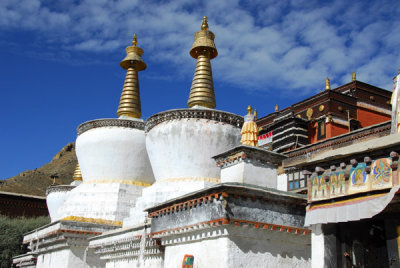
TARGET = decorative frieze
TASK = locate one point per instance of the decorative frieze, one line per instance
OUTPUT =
(232, 222)
(244, 152)
(196, 113)
(353, 178)
(125, 123)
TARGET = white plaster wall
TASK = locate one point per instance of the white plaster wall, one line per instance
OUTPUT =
(183, 148)
(212, 252)
(253, 252)
(160, 192)
(264, 175)
(107, 201)
(239, 247)
(69, 257)
(149, 262)
(57, 259)
(54, 201)
(318, 246)
(233, 173)
(113, 153)
(282, 182)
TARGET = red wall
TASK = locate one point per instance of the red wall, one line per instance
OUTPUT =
(333, 130)
(368, 117)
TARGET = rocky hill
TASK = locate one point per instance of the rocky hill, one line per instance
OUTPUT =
(35, 182)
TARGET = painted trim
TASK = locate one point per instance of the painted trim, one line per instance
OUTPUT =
(92, 220)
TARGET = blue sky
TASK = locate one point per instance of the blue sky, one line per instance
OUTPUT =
(59, 60)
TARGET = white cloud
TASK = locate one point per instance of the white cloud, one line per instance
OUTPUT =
(262, 45)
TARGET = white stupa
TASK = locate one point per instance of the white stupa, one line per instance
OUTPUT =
(112, 156)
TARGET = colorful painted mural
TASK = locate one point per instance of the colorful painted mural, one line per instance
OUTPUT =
(188, 261)
(337, 184)
(381, 174)
(359, 179)
(375, 175)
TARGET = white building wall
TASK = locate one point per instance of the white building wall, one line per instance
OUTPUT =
(69, 257)
(282, 182)
(239, 247)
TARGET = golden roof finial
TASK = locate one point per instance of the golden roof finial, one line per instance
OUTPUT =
(249, 109)
(353, 76)
(327, 84)
(129, 104)
(134, 41)
(276, 108)
(204, 24)
(250, 130)
(203, 49)
(77, 173)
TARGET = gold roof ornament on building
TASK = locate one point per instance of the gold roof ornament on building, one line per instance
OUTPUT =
(309, 113)
(250, 130)
(203, 49)
(129, 104)
(353, 76)
(77, 173)
(276, 108)
(327, 83)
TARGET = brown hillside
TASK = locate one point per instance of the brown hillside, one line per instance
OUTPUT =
(35, 182)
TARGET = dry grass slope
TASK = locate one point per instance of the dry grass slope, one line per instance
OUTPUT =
(35, 182)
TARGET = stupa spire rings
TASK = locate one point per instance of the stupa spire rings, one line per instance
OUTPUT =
(77, 173)
(203, 49)
(129, 104)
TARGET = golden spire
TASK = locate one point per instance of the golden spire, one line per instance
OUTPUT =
(129, 104)
(327, 84)
(203, 49)
(250, 130)
(276, 108)
(77, 173)
(353, 76)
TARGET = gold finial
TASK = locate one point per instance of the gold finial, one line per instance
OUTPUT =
(204, 24)
(249, 110)
(203, 49)
(276, 108)
(250, 130)
(134, 41)
(353, 76)
(77, 173)
(327, 84)
(399, 70)
(129, 104)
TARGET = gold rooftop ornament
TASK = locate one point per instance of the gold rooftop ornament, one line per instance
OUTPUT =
(250, 130)
(129, 104)
(276, 108)
(203, 49)
(327, 83)
(353, 76)
(77, 173)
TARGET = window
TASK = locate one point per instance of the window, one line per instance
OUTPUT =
(296, 180)
(321, 129)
